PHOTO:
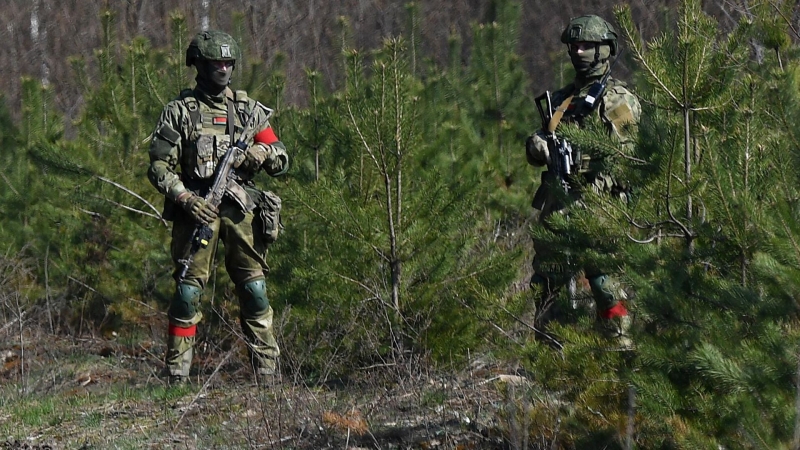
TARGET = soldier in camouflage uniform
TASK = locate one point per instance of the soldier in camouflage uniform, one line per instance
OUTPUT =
(192, 135)
(591, 42)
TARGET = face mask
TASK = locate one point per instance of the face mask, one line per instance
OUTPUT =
(215, 74)
(584, 62)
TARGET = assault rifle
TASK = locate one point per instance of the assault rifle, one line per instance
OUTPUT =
(561, 158)
(224, 179)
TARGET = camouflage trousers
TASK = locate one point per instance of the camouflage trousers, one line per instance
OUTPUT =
(554, 268)
(245, 250)
(245, 246)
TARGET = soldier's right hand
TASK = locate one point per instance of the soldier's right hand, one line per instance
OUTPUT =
(199, 209)
(537, 150)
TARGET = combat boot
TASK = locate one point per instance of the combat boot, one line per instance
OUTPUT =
(265, 371)
(178, 360)
(263, 361)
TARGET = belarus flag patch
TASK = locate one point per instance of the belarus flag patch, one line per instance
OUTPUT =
(219, 120)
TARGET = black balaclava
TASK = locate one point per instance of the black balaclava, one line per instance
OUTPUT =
(212, 79)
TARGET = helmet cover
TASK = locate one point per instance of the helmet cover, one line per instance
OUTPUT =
(212, 45)
(590, 28)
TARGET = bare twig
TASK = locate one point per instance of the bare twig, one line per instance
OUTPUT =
(10, 186)
(142, 199)
(203, 389)
(534, 329)
(47, 289)
(155, 216)
(11, 323)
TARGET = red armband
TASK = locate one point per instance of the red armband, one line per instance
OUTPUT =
(266, 136)
(175, 330)
(618, 310)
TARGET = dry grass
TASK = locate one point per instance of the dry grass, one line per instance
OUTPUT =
(67, 387)
(80, 392)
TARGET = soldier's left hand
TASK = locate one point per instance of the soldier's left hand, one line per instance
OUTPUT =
(252, 158)
(536, 150)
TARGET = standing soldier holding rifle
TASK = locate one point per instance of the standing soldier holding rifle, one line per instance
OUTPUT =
(591, 42)
(208, 145)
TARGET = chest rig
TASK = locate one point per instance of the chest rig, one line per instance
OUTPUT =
(578, 108)
(212, 128)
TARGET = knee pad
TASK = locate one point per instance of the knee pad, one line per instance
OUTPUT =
(184, 304)
(253, 298)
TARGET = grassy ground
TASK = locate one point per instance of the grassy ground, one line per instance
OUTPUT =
(58, 392)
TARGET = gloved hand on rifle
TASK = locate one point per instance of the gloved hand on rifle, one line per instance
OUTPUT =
(537, 150)
(270, 157)
(198, 208)
(252, 158)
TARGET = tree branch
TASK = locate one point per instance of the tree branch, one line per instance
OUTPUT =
(142, 199)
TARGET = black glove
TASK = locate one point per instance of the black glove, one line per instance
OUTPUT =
(199, 209)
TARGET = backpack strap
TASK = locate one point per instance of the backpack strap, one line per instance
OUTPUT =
(231, 122)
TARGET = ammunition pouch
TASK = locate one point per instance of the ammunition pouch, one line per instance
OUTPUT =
(239, 195)
(268, 215)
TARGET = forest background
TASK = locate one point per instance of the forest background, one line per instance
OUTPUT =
(407, 234)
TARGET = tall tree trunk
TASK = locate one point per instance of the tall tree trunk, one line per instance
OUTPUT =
(39, 39)
(204, 20)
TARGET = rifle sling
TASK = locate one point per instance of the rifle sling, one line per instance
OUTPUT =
(558, 114)
(231, 120)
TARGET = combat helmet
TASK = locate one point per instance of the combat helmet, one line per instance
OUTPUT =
(590, 28)
(212, 45)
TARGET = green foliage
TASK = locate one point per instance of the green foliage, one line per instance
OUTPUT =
(705, 244)
(485, 112)
(385, 238)
(405, 210)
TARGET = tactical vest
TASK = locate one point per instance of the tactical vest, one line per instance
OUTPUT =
(593, 170)
(577, 110)
(209, 135)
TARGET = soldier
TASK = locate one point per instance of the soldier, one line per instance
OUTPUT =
(192, 135)
(591, 42)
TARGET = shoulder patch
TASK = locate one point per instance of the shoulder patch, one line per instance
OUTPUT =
(621, 106)
(168, 133)
(621, 115)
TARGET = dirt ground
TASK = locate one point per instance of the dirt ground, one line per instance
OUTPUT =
(66, 393)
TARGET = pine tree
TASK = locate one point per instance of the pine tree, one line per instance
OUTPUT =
(388, 239)
(716, 340)
(490, 113)
(89, 211)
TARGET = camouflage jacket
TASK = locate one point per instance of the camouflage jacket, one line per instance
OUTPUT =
(618, 109)
(192, 136)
